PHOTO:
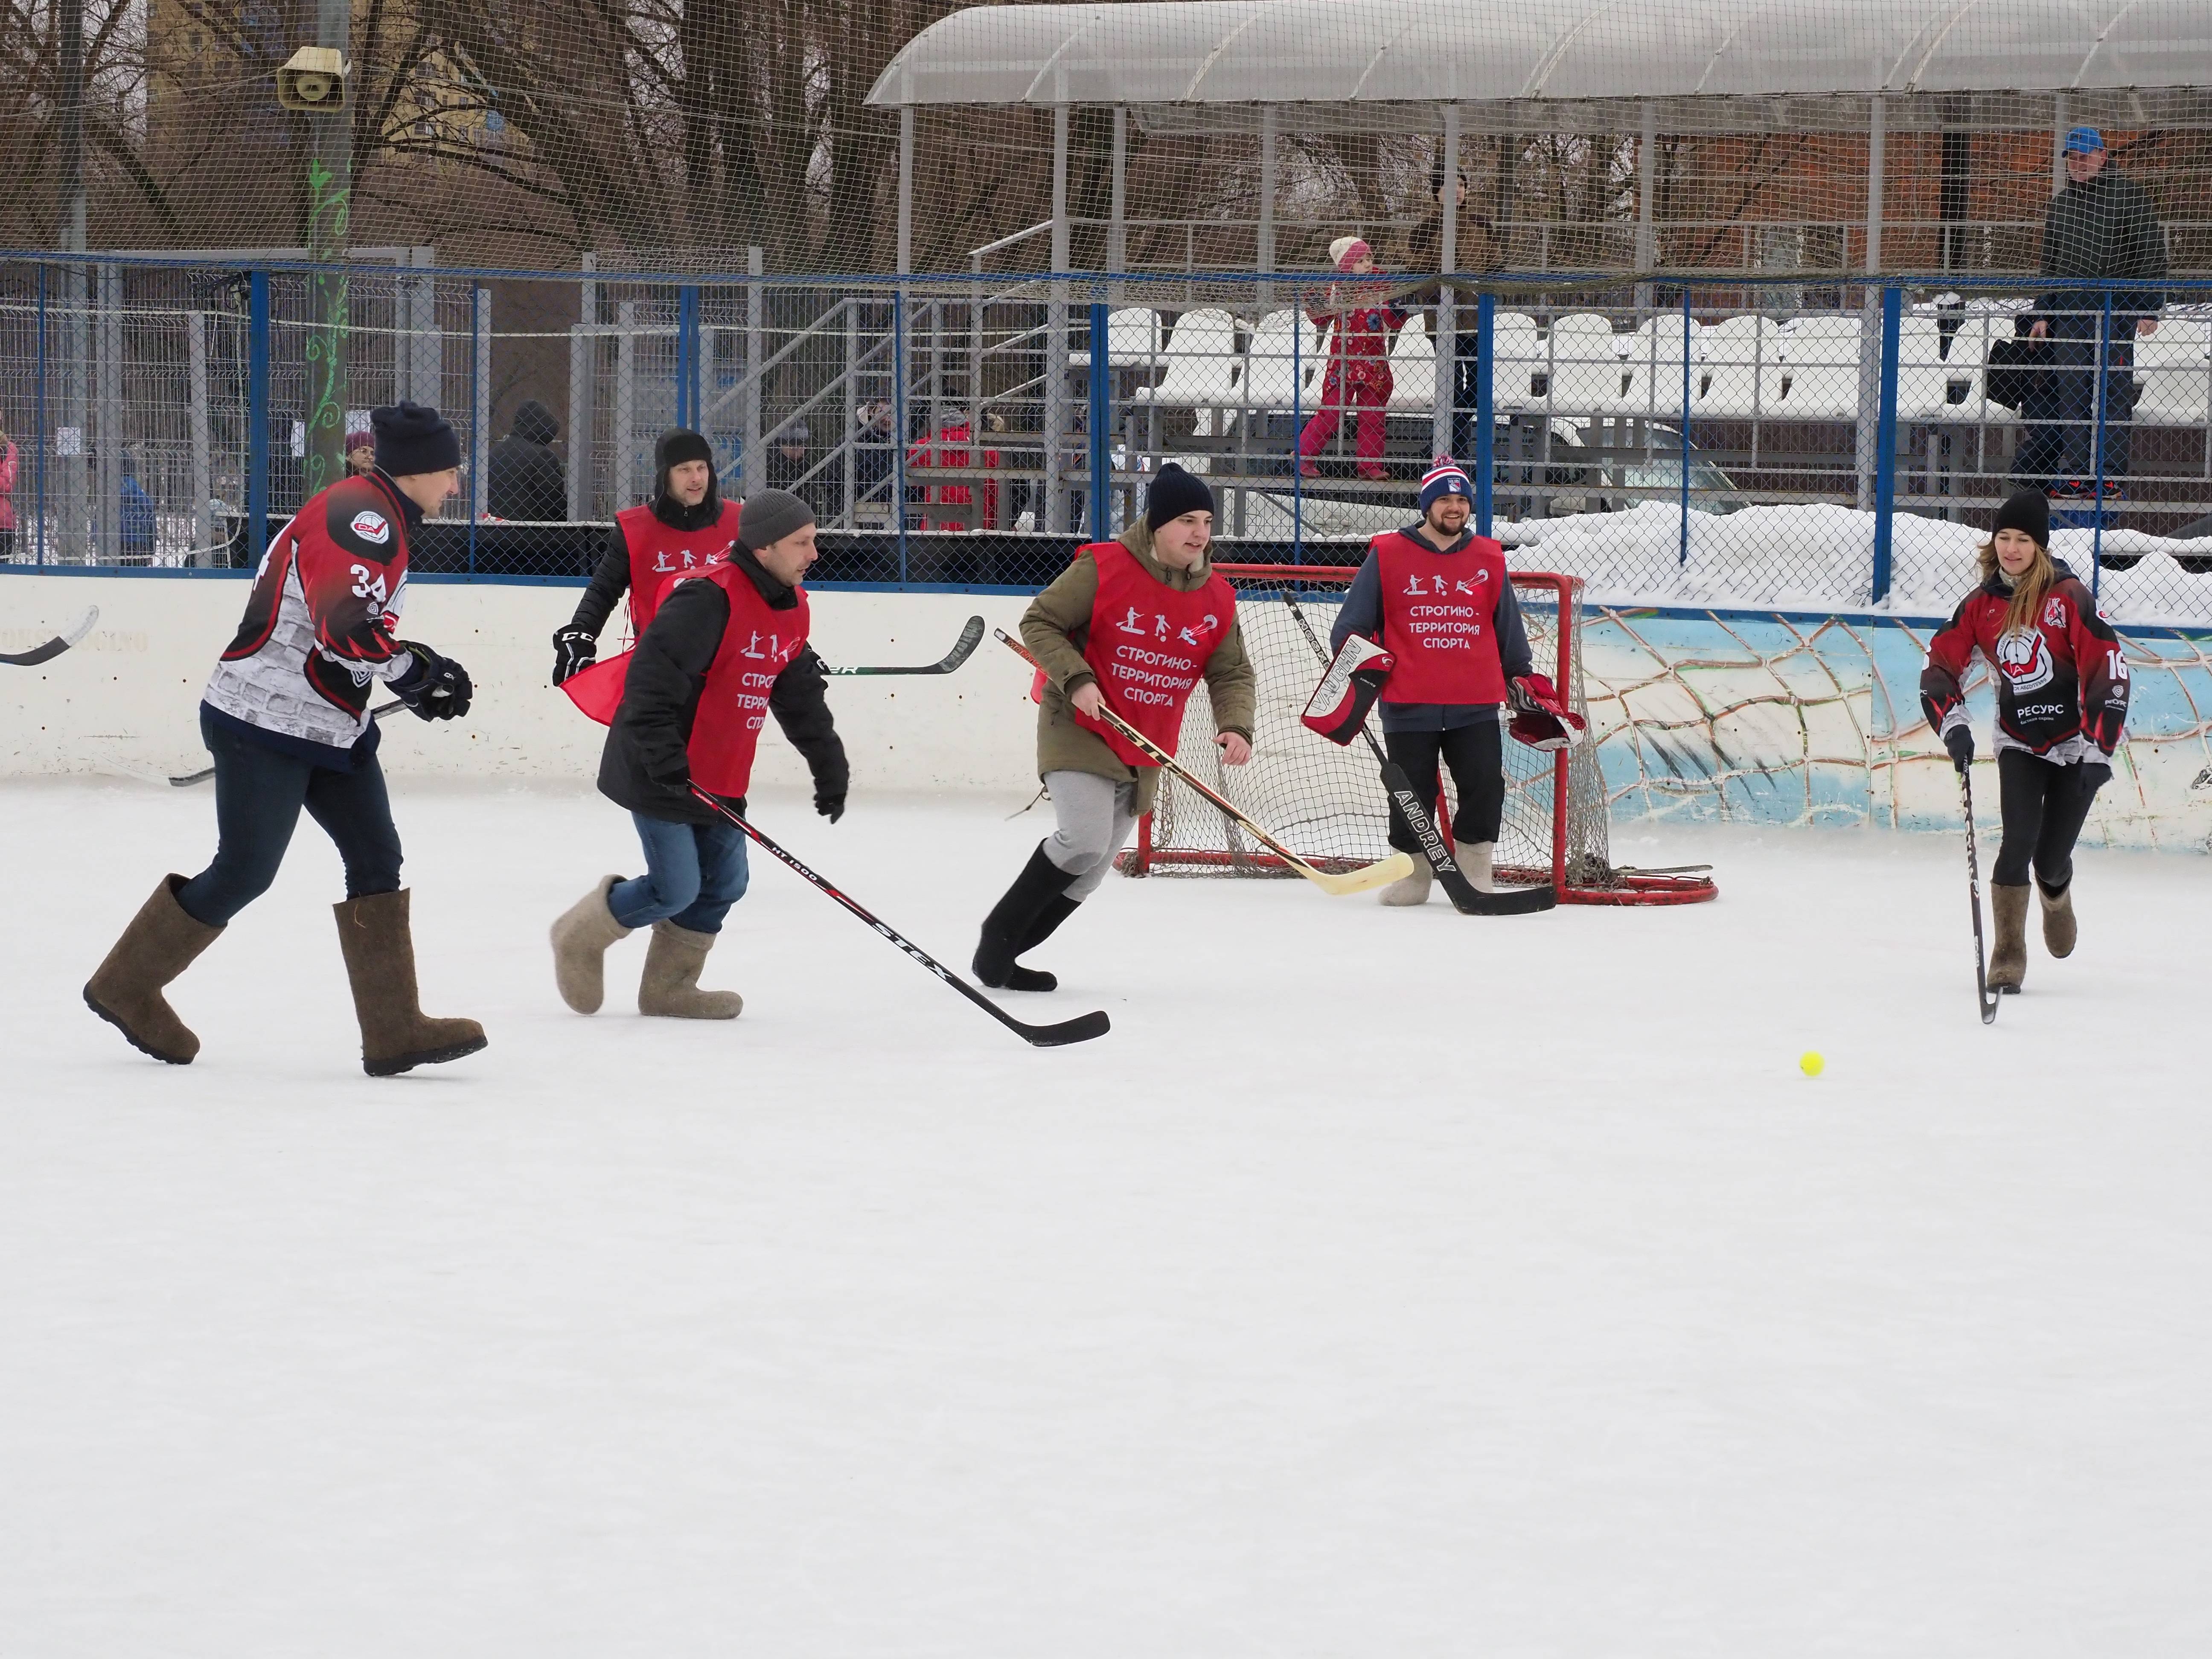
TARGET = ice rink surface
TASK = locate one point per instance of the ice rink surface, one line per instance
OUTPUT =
(1387, 1283)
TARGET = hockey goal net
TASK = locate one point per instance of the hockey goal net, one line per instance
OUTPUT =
(1325, 803)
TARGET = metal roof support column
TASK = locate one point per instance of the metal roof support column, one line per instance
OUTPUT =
(1647, 195)
(1877, 147)
(1267, 247)
(906, 190)
(1868, 442)
(1117, 230)
(1446, 343)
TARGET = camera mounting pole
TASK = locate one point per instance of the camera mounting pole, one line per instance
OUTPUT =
(318, 83)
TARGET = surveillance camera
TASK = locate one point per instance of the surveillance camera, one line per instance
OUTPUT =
(315, 80)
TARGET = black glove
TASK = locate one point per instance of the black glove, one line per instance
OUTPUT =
(830, 803)
(437, 688)
(574, 649)
(1960, 740)
(2095, 774)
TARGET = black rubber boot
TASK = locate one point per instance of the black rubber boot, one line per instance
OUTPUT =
(1006, 930)
(1056, 910)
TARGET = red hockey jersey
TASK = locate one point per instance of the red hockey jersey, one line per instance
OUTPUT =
(2062, 684)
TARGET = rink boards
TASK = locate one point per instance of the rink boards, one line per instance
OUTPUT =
(1744, 716)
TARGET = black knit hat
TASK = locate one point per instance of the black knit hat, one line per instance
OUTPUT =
(2028, 510)
(1174, 493)
(679, 445)
(411, 439)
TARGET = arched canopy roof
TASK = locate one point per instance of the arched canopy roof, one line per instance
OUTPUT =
(1187, 53)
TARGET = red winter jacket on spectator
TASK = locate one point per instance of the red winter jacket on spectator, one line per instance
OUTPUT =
(2062, 685)
(949, 448)
(9, 463)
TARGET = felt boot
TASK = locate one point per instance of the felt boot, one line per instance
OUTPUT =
(1006, 930)
(1474, 858)
(396, 1036)
(2059, 930)
(1056, 910)
(125, 989)
(1409, 890)
(580, 938)
(671, 986)
(2008, 960)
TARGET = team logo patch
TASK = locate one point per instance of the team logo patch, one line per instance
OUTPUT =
(372, 528)
(2024, 659)
(2054, 612)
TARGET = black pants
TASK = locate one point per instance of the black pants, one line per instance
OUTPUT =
(258, 793)
(1474, 753)
(2045, 805)
(2062, 446)
(1467, 373)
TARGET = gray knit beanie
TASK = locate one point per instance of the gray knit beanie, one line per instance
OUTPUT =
(769, 515)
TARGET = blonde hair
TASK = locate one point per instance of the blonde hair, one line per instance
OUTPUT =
(2027, 589)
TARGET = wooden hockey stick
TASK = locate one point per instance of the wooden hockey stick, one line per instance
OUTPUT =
(1364, 879)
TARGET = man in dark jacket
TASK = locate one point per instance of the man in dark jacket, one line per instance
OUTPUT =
(727, 648)
(2101, 225)
(525, 479)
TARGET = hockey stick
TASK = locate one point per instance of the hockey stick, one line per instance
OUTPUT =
(1081, 1028)
(60, 643)
(1466, 897)
(205, 773)
(1988, 1003)
(963, 648)
(1364, 879)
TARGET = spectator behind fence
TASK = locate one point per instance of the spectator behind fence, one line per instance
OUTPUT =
(2101, 225)
(788, 460)
(525, 480)
(874, 458)
(361, 453)
(1474, 248)
(9, 460)
(952, 506)
(136, 516)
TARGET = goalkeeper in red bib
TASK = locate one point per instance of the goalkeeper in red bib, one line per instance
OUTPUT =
(1133, 625)
(1436, 596)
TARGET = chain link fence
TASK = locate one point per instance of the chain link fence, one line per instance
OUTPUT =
(1778, 445)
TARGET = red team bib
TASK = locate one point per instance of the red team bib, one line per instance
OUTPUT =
(1148, 643)
(1439, 620)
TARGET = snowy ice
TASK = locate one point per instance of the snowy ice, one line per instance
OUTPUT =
(1386, 1284)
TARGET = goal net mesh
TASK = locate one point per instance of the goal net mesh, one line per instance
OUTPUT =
(1325, 803)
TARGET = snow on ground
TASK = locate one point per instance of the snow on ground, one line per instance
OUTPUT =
(1387, 1283)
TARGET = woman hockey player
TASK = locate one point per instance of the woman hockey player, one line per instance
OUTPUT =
(285, 715)
(686, 527)
(1436, 595)
(1361, 320)
(1131, 624)
(2062, 689)
(725, 648)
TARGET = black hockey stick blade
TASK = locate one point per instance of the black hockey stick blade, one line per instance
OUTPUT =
(207, 772)
(964, 648)
(61, 642)
(1984, 997)
(1081, 1028)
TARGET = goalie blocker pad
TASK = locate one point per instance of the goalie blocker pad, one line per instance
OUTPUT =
(1541, 717)
(1338, 706)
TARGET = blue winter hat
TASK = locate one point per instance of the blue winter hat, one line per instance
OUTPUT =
(2083, 141)
(1444, 478)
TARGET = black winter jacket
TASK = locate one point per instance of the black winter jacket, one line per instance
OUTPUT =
(611, 581)
(523, 479)
(2107, 227)
(645, 766)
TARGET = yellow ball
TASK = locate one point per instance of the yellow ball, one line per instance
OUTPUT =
(1810, 1063)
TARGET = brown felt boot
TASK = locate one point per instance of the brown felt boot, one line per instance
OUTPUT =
(670, 985)
(2059, 930)
(580, 938)
(125, 990)
(396, 1036)
(2008, 961)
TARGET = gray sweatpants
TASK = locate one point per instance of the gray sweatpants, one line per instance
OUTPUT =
(1095, 816)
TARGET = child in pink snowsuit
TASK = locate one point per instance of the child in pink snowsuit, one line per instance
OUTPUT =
(1359, 376)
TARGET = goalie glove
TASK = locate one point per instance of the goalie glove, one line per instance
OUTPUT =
(1541, 717)
(1338, 706)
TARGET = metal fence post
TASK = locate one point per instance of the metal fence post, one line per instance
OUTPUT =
(1885, 464)
(687, 356)
(2097, 454)
(899, 421)
(1297, 428)
(1683, 531)
(583, 388)
(1102, 412)
(256, 418)
(1486, 440)
(196, 357)
(105, 430)
(479, 408)
(756, 353)
(44, 437)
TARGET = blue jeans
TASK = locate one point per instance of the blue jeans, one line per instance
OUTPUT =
(694, 873)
